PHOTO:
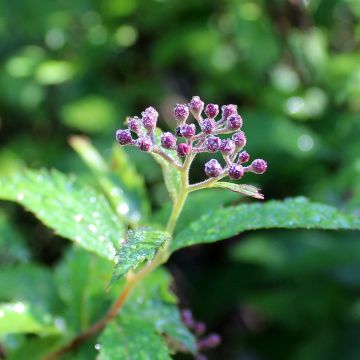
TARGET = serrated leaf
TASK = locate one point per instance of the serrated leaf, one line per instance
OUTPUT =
(125, 190)
(245, 189)
(20, 317)
(132, 339)
(75, 212)
(291, 213)
(140, 245)
(171, 175)
(152, 307)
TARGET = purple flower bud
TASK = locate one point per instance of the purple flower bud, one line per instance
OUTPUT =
(188, 130)
(168, 140)
(258, 166)
(213, 168)
(181, 112)
(187, 318)
(234, 122)
(236, 172)
(183, 149)
(213, 143)
(134, 124)
(210, 341)
(208, 126)
(227, 147)
(228, 110)
(151, 111)
(211, 110)
(243, 157)
(144, 143)
(199, 328)
(149, 121)
(196, 105)
(239, 139)
(123, 137)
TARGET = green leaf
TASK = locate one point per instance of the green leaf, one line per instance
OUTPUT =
(20, 317)
(81, 280)
(171, 175)
(148, 318)
(124, 189)
(291, 213)
(132, 339)
(248, 190)
(74, 212)
(12, 244)
(30, 283)
(140, 245)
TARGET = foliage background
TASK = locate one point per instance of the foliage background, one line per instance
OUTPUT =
(293, 67)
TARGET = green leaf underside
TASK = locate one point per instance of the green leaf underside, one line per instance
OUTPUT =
(149, 327)
(74, 212)
(292, 213)
(140, 245)
(171, 175)
(244, 189)
(20, 317)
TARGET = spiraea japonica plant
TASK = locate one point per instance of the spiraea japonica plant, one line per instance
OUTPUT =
(110, 297)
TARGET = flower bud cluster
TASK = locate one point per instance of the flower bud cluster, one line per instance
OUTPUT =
(198, 328)
(202, 136)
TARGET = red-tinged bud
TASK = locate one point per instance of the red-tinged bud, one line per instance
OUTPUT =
(243, 157)
(183, 149)
(212, 110)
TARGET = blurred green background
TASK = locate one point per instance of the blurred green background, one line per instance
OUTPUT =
(292, 67)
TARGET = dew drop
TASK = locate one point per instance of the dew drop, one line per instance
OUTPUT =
(59, 323)
(78, 217)
(92, 228)
(122, 209)
(19, 308)
(97, 347)
(20, 197)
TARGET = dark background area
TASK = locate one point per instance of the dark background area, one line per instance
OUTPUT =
(293, 69)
